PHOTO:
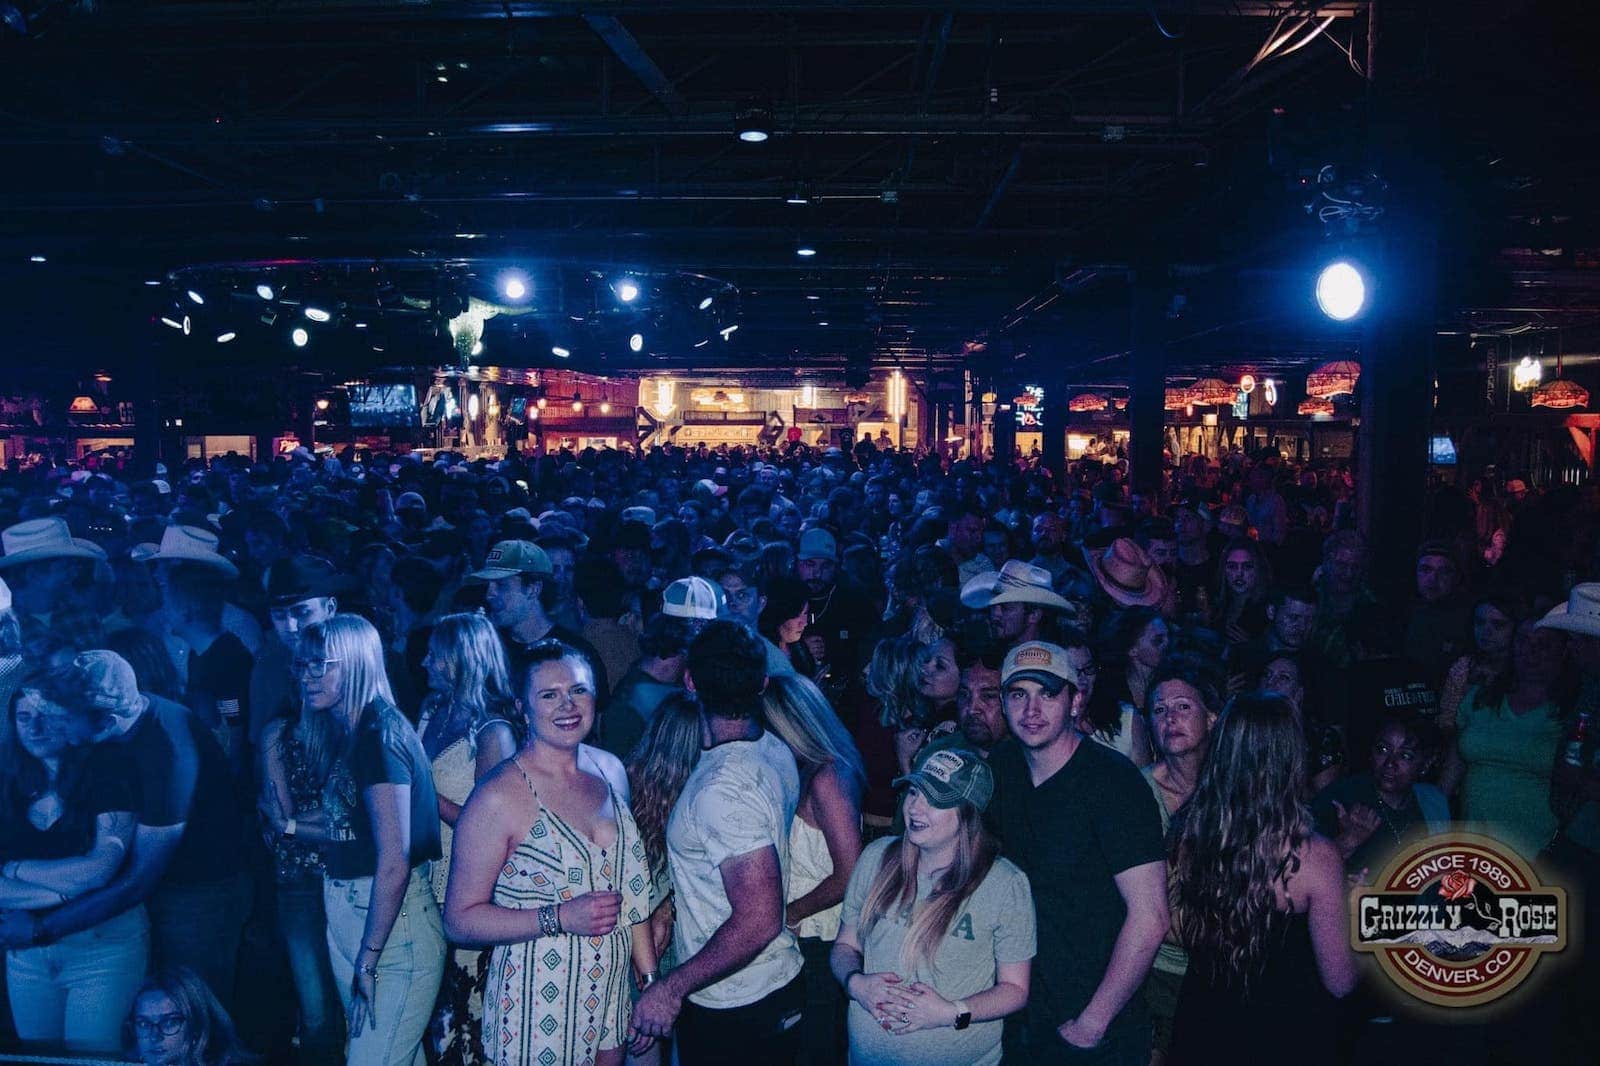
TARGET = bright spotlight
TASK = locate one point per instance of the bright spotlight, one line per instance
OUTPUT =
(188, 326)
(317, 314)
(636, 342)
(1341, 291)
(172, 322)
(265, 291)
(805, 251)
(560, 352)
(752, 135)
(727, 331)
(196, 297)
(627, 291)
(37, 259)
(224, 338)
(705, 303)
(514, 286)
(300, 337)
(605, 407)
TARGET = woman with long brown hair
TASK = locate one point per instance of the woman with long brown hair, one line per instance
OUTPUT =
(1258, 900)
(936, 937)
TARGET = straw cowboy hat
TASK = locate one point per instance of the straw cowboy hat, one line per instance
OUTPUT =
(1580, 614)
(1015, 582)
(1126, 574)
(185, 544)
(39, 539)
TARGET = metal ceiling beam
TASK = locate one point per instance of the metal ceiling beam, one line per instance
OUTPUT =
(507, 10)
(633, 56)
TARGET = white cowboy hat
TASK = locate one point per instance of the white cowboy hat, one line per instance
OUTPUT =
(39, 539)
(1015, 582)
(185, 544)
(1580, 614)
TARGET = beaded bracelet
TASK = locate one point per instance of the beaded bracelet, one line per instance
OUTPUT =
(549, 925)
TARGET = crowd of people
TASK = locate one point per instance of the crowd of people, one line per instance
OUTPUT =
(791, 756)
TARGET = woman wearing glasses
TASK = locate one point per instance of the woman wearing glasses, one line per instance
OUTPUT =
(176, 1021)
(379, 831)
(64, 831)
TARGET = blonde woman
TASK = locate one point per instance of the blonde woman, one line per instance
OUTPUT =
(469, 726)
(937, 935)
(379, 830)
(824, 844)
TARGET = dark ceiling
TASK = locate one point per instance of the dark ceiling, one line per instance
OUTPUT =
(975, 175)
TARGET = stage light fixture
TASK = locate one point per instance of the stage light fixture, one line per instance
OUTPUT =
(727, 331)
(317, 314)
(174, 323)
(1341, 291)
(636, 342)
(299, 336)
(188, 326)
(514, 285)
(224, 338)
(37, 259)
(195, 297)
(705, 303)
(153, 282)
(752, 134)
(805, 251)
(627, 291)
(560, 352)
(265, 291)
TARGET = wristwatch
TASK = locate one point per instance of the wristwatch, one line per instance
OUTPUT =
(963, 1014)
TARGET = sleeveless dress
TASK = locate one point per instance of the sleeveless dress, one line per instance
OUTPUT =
(559, 1000)
(810, 865)
(1286, 1015)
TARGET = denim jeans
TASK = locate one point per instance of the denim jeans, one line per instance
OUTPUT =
(409, 970)
(77, 992)
(200, 926)
(303, 923)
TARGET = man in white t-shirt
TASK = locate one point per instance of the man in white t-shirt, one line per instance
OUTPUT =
(737, 995)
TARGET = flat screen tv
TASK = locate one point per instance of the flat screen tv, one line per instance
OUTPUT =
(1442, 451)
(373, 406)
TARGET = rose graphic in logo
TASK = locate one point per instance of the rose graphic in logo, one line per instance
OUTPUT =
(1456, 885)
(1458, 920)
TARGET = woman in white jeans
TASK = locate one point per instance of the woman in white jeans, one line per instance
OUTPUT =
(63, 832)
(379, 832)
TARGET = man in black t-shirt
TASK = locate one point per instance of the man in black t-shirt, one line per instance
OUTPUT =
(516, 572)
(1081, 822)
(185, 865)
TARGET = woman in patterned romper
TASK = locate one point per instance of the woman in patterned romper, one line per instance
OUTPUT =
(548, 868)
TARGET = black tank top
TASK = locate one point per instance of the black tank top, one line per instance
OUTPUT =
(1285, 1014)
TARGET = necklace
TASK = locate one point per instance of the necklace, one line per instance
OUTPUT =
(1384, 814)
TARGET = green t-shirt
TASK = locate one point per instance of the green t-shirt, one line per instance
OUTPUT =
(995, 925)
